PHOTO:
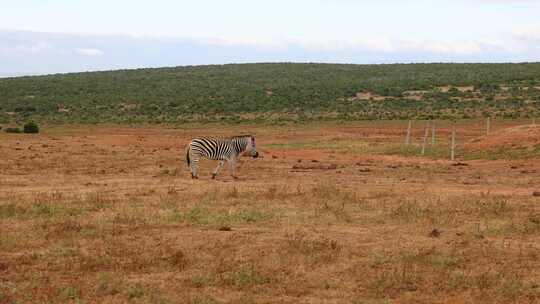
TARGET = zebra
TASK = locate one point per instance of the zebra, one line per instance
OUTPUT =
(222, 149)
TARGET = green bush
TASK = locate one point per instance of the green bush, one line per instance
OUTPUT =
(31, 127)
(12, 130)
(240, 92)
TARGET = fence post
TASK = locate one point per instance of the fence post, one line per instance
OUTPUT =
(408, 137)
(453, 147)
(433, 133)
(426, 133)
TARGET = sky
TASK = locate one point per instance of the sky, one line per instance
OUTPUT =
(58, 36)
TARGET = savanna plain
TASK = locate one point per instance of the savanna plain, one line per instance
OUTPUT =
(331, 213)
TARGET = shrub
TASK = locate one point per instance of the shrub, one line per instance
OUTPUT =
(31, 127)
(12, 130)
(24, 109)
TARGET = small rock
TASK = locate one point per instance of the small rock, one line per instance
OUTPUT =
(535, 220)
(225, 228)
(536, 193)
(435, 233)
(311, 167)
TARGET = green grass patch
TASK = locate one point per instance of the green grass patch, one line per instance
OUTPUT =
(246, 276)
(509, 154)
(443, 261)
(135, 291)
(53, 209)
(439, 151)
(10, 210)
(200, 281)
(203, 216)
(203, 299)
(65, 252)
(339, 146)
(69, 293)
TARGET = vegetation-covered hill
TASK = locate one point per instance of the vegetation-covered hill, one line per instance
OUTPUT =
(275, 92)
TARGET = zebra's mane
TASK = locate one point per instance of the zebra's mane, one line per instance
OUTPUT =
(241, 136)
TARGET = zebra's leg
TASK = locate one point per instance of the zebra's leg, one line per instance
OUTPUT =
(232, 167)
(221, 162)
(193, 167)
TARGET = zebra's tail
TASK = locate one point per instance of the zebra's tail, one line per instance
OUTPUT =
(187, 156)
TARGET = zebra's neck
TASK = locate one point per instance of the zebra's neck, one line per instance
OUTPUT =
(239, 145)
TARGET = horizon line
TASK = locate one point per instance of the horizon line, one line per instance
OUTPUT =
(22, 75)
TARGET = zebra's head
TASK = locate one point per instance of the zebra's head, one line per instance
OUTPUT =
(245, 145)
(251, 148)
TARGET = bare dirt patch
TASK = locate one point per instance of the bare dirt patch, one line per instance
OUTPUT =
(463, 89)
(369, 96)
(520, 137)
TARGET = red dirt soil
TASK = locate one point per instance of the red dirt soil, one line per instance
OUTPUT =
(519, 137)
(110, 214)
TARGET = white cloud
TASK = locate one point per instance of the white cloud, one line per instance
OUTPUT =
(378, 44)
(24, 53)
(33, 48)
(375, 44)
(89, 52)
(526, 39)
(527, 33)
(460, 47)
(248, 42)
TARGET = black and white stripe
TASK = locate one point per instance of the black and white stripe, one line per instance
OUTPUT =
(222, 149)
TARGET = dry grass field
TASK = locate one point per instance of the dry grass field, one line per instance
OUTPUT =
(332, 213)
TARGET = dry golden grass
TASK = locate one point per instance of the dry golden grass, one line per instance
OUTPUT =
(111, 215)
